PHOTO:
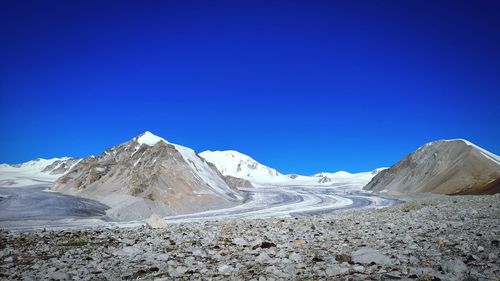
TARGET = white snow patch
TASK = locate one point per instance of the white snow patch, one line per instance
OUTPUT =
(149, 139)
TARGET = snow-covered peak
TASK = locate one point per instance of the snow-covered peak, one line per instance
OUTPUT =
(149, 138)
(235, 164)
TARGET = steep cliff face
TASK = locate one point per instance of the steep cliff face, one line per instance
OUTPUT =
(146, 175)
(443, 167)
(237, 182)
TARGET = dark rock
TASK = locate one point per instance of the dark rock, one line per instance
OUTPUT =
(343, 258)
(264, 245)
(317, 259)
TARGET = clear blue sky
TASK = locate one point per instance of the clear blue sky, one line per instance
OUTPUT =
(300, 86)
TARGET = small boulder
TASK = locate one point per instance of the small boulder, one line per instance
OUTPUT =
(58, 275)
(299, 242)
(264, 245)
(368, 255)
(263, 258)
(295, 257)
(343, 258)
(128, 251)
(336, 269)
(225, 269)
(156, 222)
(456, 267)
(240, 241)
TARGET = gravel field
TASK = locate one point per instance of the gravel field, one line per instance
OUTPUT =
(443, 238)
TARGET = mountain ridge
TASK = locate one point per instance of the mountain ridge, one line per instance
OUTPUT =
(455, 166)
(235, 164)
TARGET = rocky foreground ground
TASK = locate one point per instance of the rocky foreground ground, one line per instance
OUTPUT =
(448, 238)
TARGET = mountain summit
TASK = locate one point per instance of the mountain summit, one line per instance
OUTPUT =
(445, 167)
(148, 174)
(235, 164)
(149, 139)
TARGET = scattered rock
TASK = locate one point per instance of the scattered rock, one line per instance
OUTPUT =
(394, 245)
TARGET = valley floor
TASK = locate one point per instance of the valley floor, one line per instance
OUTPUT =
(31, 208)
(442, 238)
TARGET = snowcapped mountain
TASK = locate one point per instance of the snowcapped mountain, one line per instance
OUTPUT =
(38, 171)
(237, 165)
(445, 167)
(148, 174)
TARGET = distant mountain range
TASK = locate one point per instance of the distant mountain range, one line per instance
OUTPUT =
(150, 175)
(237, 165)
(237, 169)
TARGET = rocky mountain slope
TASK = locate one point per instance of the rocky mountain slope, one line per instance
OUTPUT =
(443, 167)
(38, 171)
(149, 175)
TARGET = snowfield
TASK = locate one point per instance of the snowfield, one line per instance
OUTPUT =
(38, 171)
